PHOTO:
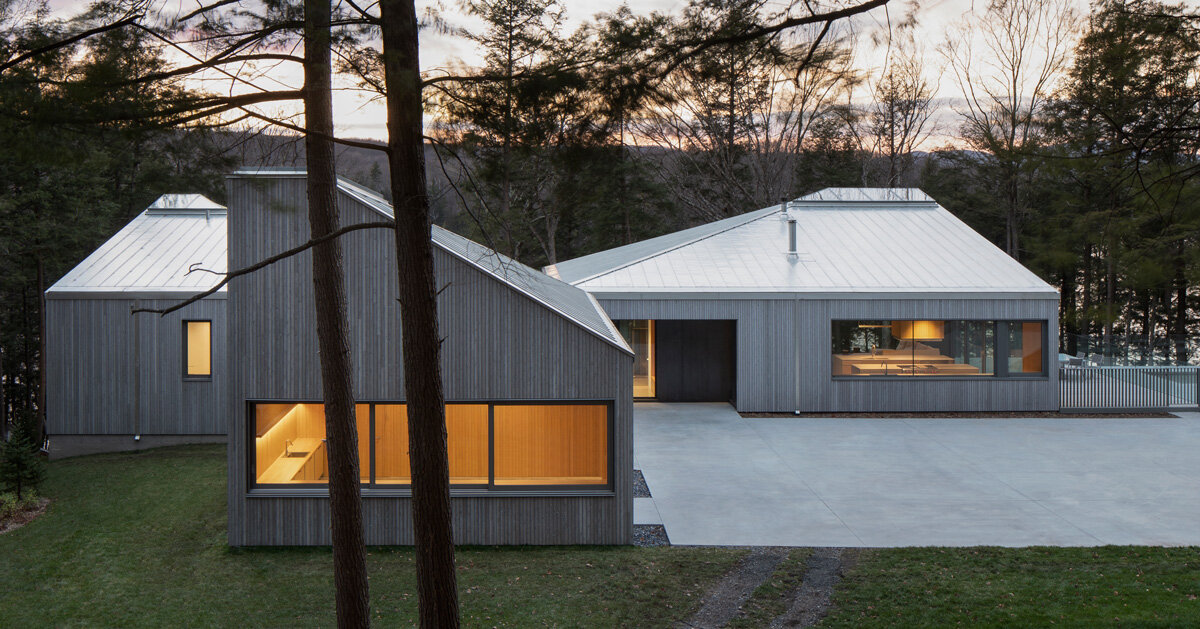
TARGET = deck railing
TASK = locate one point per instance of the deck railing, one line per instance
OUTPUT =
(1129, 388)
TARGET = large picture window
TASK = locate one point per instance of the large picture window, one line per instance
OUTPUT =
(916, 348)
(490, 446)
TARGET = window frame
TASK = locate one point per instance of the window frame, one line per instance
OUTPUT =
(197, 377)
(375, 489)
(1000, 331)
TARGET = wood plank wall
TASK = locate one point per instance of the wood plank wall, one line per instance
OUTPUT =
(784, 359)
(498, 345)
(113, 373)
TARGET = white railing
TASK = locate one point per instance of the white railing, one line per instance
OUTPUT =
(1128, 388)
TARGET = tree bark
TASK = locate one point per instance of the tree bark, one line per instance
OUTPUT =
(333, 335)
(437, 589)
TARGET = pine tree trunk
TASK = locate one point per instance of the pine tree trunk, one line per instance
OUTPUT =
(437, 589)
(333, 335)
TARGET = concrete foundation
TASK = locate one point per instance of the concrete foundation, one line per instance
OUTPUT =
(62, 446)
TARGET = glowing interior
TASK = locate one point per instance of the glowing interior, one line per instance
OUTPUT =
(199, 348)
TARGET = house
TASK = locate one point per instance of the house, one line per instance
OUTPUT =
(116, 381)
(849, 299)
(537, 380)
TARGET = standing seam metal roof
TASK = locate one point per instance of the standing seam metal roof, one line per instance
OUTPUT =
(849, 240)
(570, 302)
(151, 255)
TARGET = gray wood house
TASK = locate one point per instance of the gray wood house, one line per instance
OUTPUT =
(116, 381)
(849, 299)
(538, 384)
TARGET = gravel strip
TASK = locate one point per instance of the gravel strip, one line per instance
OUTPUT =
(650, 535)
(726, 598)
(640, 488)
(812, 600)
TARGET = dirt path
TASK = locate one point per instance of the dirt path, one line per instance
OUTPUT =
(724, 601)
(811, 601)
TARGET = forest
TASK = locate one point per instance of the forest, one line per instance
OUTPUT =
(1070, 141)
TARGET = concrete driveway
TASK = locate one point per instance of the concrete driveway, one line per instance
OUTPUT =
(719, 479)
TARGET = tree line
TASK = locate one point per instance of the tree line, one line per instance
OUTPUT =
(1071, 143)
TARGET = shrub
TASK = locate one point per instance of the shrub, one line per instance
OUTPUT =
(11, 505)
(21, 465)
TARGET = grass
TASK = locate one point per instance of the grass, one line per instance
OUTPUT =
(773, 597)
(139, 540)
(1025, 587)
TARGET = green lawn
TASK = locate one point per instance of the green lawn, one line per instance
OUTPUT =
(139, 539)
(1030, 587)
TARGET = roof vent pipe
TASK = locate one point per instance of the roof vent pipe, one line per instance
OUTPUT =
(792, 253)
(783, 207)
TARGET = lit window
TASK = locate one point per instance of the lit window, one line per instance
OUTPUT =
(466, 444)
(1025, 354)
(551, 444)
(289, 443)
(541, 445)
(198, 348)
(938, 348)
(639, 334)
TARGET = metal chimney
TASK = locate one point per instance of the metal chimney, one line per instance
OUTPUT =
(792, 253)
(783, 206)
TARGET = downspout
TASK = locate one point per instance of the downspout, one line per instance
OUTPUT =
(137, 375)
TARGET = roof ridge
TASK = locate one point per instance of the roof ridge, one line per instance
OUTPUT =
(615, 339)
(757, 214)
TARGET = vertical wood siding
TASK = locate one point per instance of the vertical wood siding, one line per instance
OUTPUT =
(783, 353)
(113, 373)
(498, 345)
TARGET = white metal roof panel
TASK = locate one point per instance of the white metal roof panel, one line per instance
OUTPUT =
(584, 267)
(152, 254)
(569, 301)
(847, 243)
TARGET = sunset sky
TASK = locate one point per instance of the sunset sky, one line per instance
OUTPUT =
(361, 117)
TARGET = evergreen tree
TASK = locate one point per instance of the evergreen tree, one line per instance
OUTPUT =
(22, 467)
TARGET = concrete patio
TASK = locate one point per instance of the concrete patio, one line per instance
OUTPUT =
(719, 479)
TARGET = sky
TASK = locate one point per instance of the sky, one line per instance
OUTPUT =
(359, 115)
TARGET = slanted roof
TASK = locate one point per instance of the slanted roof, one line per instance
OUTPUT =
(851, 242)
(568, 301)
(585, 267)
(149, 258)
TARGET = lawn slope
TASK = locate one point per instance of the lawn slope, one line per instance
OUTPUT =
(139, 540)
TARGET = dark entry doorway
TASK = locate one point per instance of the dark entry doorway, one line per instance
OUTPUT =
(695, 361)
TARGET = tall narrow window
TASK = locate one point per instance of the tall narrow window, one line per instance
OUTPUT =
(640, 336)
(197, 342)
(1025, 348)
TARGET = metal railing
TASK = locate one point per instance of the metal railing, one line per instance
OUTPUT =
(1129, 388)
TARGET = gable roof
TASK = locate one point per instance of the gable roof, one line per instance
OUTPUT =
(568, 301)
(150, 257)
(851, 242)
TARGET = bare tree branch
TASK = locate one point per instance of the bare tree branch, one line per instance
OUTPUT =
(265, 262)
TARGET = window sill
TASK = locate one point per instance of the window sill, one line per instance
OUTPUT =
(368, 493)
(197, 379)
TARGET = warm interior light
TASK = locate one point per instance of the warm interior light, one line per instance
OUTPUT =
(199, 348)
(551, 444)
(919, 330)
